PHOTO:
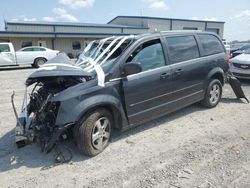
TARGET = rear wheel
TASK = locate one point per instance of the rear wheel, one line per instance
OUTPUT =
(213, 94)
(39, 62)
(93, 133)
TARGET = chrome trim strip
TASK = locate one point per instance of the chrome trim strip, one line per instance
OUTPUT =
(134, 104)
(150, 70)
(165, 104)
(115, 79)
(159, 96)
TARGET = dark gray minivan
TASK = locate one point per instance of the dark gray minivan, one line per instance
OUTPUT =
(118, 83)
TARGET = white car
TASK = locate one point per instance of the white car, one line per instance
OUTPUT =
(240, 65)
(33, 55)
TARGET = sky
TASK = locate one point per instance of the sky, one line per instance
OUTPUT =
(236, 13)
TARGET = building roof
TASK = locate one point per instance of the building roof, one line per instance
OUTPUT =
(160, 18)
(55, 34)
(71, 24)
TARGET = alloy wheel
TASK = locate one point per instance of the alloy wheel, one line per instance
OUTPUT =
(101, 133)
(214, 94)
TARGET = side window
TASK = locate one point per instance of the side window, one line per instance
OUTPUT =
(4, 48)
(182, 48)
(211, 44)
(76, 45)
(39, 49)
(148, 55)
(28, 49)
(26, 44)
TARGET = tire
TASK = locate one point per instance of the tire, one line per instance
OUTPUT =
(213, 94)
(92, 135)
(38, 62)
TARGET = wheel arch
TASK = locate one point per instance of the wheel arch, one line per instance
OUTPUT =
(113, 109)
(217, 73)
(72, 111)
(43, 57)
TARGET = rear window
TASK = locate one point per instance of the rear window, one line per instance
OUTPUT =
(182, 48)
(211, 44)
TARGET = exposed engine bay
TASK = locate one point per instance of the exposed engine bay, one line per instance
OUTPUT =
(37, 121)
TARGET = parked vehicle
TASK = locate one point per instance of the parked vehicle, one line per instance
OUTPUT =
(227, 46)
(236, 46)
(240, 50)
(240, 65)
(119, 83)
(33, 55)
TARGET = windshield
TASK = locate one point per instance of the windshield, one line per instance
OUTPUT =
(103, 52)
(247, 51)
(246, 47)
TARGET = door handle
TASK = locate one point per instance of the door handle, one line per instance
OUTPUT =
(178, 72)
(165, 75)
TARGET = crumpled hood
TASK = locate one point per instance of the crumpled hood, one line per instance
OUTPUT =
(243, 59)
(59, 66)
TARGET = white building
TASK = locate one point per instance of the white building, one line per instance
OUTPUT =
(73, 37)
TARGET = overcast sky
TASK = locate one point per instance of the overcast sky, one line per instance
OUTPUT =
(236, 13)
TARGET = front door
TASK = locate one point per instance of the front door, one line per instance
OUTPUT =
(148, 93)
(6, 56)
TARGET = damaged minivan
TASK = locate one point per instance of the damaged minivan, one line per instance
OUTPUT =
(118, 83)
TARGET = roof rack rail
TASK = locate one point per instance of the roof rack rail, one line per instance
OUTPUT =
(181, 31)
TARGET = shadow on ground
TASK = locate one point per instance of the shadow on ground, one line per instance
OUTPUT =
(233, 100)
(245, 82)
(13, 68)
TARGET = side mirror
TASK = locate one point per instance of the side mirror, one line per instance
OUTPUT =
(131, 68)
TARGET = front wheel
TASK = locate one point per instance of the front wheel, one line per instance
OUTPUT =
(213, 94)
(93, 134)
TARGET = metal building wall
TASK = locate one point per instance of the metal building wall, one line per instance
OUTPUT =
(31, 28)
(134, 31)
(17, 42)
(179, 25)
(162, 24)
(65, 44)
(141, 22)
(159, 25)
(86, 29)
(219, 26)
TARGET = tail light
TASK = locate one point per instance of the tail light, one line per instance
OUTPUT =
(228, 57)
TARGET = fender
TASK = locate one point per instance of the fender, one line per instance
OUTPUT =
(215, 71)
(69, 115)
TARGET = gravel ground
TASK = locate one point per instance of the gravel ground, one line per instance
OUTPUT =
(194, 147)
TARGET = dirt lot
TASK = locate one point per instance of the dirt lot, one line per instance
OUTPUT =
(194, 147)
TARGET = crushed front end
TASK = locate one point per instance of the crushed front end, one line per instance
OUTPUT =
(37, 120)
